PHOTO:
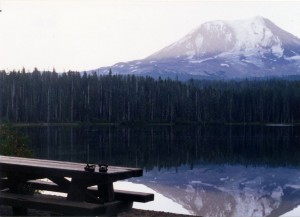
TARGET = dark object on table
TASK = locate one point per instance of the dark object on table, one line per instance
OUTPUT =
(103, 168)
(90, 168)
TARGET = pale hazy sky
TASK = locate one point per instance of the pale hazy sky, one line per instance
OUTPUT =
(87, 34)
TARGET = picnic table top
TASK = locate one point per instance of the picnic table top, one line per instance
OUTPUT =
(45, 168)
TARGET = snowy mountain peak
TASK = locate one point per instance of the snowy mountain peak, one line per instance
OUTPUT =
(257, 35)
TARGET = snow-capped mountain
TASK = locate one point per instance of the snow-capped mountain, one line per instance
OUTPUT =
(223, 49)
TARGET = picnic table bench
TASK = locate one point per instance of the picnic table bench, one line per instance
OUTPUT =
(20, 177)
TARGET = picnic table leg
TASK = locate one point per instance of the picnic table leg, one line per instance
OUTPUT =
(16, 185)
(77, 190)
(106, 192)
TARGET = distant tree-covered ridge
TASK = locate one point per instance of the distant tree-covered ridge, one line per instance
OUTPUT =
(72, 97)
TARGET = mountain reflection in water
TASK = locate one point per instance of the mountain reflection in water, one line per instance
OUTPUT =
(229, 190)
(209, 170)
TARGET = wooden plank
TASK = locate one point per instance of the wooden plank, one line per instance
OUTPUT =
(44, 168)
(63, 206)
(134, 196)
(118, 194)
(50, 186)
(56, 164)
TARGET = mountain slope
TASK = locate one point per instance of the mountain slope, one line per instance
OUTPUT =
(223, 49)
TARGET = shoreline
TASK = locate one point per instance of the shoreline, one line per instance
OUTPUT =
(79, 124)
(7, 211)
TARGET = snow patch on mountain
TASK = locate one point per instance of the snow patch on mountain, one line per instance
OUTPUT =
(293, 58)
(224, 65)
(254, 34)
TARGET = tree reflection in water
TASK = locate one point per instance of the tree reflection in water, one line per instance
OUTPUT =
(210, 170)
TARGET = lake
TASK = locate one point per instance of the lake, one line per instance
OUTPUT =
(219, 170)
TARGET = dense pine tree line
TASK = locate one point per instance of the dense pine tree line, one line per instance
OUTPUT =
(72, 97)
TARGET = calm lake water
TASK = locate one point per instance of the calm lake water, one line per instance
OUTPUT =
(207, 170)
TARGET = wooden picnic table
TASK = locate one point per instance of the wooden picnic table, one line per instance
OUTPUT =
(66, 177)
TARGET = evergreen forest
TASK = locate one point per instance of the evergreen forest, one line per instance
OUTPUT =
(73, 97)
